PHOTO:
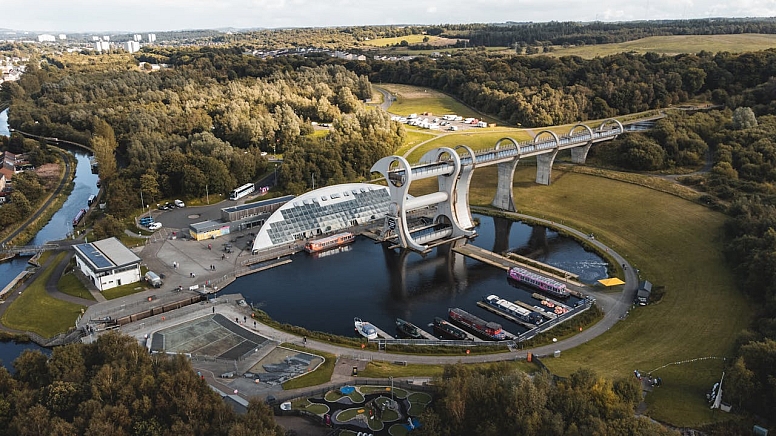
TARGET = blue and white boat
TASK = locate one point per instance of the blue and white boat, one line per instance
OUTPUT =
(365, 329)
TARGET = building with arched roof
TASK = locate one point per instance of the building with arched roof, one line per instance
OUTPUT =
(323, 211)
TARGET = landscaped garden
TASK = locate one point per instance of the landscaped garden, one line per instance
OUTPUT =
(380, 410)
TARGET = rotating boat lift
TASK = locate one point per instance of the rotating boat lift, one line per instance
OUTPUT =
(452, 217)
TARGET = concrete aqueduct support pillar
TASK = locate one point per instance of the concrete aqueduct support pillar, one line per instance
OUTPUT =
(544, 161)
(504, 198)
(579, 154)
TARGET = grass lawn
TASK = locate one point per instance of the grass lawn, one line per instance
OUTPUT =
(35, 311)
(675, 243)
(478, 139)
(413, 138)
(417, 99)
(70, 285)
(320, 376)
(123, 290)
(675, 44)
(380, 369)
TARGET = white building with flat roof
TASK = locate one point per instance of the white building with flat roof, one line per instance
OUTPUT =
(107, 263)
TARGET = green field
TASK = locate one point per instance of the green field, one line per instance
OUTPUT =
(35, 311)
(675, 243)
(418, 100)
(411, 39)
(675, 44)
(478, 139)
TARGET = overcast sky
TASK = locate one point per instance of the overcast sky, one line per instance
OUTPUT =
(158, 15)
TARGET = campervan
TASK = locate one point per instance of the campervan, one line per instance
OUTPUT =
(153, 279)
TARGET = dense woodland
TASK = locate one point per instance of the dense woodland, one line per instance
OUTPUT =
(575, 33)
(114, 387)
(203, 123)
(190, 130)
(503, 401)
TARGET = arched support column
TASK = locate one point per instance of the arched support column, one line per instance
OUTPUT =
(448, 184)
(544, 161)
(461, 195)
(442, 163)
(504, 199)
(615, 121)
(579, 154)
(398, 172)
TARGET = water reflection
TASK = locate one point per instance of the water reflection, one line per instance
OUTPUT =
(379, 285)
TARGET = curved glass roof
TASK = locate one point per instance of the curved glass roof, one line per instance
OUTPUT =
(324, 211)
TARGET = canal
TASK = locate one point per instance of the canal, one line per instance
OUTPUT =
(58, 227)
(378, 285)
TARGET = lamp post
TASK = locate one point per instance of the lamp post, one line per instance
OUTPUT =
(392, 400)
(276, 174)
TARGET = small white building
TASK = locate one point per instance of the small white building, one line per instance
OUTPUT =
(107, 263)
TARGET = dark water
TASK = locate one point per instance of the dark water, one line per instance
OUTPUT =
(9, 351)
(85, 185)
(378, 285)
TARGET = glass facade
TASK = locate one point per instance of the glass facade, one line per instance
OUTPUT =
(325, 214)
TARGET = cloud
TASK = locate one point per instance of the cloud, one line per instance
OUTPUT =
(157, 15)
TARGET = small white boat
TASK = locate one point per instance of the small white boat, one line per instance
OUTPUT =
(365, 329)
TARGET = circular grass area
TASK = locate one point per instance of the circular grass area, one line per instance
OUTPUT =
(318, 409)
(398, 430)
(397, 392)
(419, 397)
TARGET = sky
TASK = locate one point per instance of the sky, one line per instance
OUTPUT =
(160, 15)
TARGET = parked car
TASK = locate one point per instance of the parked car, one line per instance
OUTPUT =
(179, 203)
(154, 226)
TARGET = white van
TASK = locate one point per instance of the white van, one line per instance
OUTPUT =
(179, 203)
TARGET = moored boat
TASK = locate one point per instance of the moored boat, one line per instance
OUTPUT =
(478, 326)
(447, 330)
(544, 284)
(79, 216)
(408, 329)
(365, 329)
(329, 242)
(513, 309)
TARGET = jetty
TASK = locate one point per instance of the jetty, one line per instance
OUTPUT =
(13, 282)
(542, 312)
(541, 297)
(511, 336)
(381, 333)
(505, 262)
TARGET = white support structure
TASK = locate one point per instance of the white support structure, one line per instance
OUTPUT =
(444, 164)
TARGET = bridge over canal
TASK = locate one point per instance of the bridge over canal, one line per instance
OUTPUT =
(453, 169)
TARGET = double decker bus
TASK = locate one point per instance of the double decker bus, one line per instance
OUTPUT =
(242, 191)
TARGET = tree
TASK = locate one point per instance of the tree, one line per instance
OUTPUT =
(743, 118)
(104, 145)
(149, 184)
(107, 227)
